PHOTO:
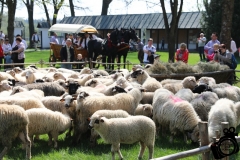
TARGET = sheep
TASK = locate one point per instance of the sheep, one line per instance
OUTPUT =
(203, 102)
(170, 81)
(4, 86)
(147, 98)
(179, 115)
(145, 110)
(60, 75)
(82, 81)
(23, 92)
(49, 88)
(101, 72)
(64, 70)
(220, 85)
(108, 114)
(87, 105)
(231, 93)
(202, 87)
(17, 77)
(173, 87)
(207, 80)
(185, 94)
(189, 82)
(222, 111)
(17, 70)
(122, 82)
(24, 102)
(147, 82)
(5, 76)
(14, 122)
(126, 130)
(31, 76)
(45, 121)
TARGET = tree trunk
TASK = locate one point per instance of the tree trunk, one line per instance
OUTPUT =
(227, 14)
(171, 30)
(71, 8)
(30, 5)
(1, 14)
(56, 9)
(46, 12)
(11, 4)
(105, 5)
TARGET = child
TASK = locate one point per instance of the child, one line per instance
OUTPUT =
(80, 59)
(210, 57)
(182, 53)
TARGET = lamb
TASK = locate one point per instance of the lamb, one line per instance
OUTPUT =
(87, 105)
(26, 103)
(222, 111)
(4, 86)
(122, 82)
(45, 121)
(185, 94)
(189, 82)
(179, 115)
(32, 76)
(108, 114)
(203, 102)
(23, 92)
(126, 130)
(207, 80)
(49, 88)
(17, 77)
(14, 122)
(145, 110)
(60, 75)
(5, 76)
(147, 98)
(147, 82)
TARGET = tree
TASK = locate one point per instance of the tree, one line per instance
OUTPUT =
(11, 4)
(1, 13)
(71, 6)
(227, 12)
(30, 4)
(57, 5)
(105, 6)
(46, 12)
(172, 27)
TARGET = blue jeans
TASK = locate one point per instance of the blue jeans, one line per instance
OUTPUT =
(201, 53)
(67, 66)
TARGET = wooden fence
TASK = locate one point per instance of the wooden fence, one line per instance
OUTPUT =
(205, 146)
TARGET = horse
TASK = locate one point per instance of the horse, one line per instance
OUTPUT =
(123, 48)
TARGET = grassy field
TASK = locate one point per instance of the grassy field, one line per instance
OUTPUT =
(41, 151)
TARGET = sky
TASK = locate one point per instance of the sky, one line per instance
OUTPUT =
(95, 6)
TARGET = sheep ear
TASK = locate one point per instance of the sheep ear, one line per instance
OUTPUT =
(102, 120)
(142, 89)
(88, 119)
(62, 100)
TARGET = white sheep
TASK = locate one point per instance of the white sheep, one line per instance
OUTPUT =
(108, 114)
(126, 130)
(147, 82)
(87, 105)
(23, 92)
(203, 102)
(170, 81)
(189, 82)
(231, 93)
(45, 121)
(147, 98)
(222, 111)
(26, 103)
(207, 80)
(5, 86)
(32, 76)
(185, 94)
(14, 122)
(5, 76)
(145, 110)
(122, 82)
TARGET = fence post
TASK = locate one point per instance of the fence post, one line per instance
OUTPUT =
(225, 149)
(90, 63)
(203, 131)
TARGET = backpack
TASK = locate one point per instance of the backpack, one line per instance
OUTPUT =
(234, 62)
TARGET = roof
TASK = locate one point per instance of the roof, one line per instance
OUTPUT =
(43, 25)
(150, 21)
(18, 24)
(72, 28)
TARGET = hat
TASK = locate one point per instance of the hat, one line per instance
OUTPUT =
(150, 39)
(69, 40)
(201, 34)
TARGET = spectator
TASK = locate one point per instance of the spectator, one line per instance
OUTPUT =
(6, 50)
(215, 50)
(23, 41)
(224, 57)
(140, 50)
(67, 54)
(1, 52)
(20, 52)
(35, 39)
(64, 40)
(162, 44)
(80, 59)
(2, 35)
(54, 39)
(201, 42)
(182, 53)
(233, 46)
(209, 46)
(149, 50)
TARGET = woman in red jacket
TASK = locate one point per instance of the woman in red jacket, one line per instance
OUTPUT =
(182, 53)
(1, 52)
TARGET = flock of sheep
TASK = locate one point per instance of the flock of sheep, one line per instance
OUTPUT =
(121, 107)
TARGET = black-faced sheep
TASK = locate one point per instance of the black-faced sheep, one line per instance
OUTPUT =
(14, 122)
(126, 130)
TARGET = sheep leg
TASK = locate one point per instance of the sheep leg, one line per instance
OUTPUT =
(116, 148)
(142, 149)
(25, 139)
(8, 144)
(150, 151)
(171, 139)
(185, 137)
(49, 139)
(55, 138)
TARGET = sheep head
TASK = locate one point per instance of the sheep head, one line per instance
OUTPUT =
(82, 95)
(4, 85)
(95, 121)
(67, 99)
(136, 73)
(148, 110)
(59, 75)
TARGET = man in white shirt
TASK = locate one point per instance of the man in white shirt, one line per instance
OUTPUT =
(233, 46)
(2, 35)
(149, 50)
(35, 39)
(23, 41)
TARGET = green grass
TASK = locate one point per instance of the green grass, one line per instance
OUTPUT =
(41, 151)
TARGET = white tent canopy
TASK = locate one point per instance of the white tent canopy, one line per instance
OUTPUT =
(72, 28)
